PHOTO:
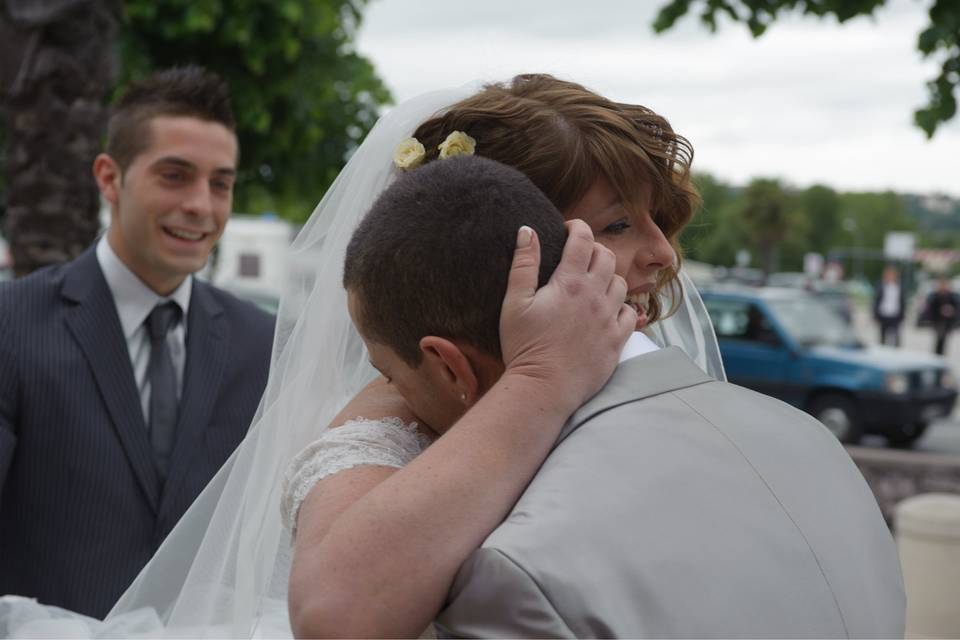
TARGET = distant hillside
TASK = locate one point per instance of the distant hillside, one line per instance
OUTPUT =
(933, 212)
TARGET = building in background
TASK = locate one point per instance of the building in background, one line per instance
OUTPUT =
(252, 258)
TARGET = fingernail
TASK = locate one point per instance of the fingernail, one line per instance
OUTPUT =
(524, 236)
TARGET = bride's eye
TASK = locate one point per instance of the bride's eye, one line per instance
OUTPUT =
(617, 227)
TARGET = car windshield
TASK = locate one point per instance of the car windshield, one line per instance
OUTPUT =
(810, 322)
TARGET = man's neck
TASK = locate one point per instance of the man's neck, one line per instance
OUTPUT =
(159, 284)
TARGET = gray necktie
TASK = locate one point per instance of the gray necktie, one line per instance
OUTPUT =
(163, 385)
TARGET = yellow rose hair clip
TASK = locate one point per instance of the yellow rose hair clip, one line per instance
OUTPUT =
(410, 153)
(457, 144)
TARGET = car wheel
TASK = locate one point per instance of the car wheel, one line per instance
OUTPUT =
(906, 435)
(838, 414)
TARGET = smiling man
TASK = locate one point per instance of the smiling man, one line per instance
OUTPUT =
(122, 389)
(171, 200)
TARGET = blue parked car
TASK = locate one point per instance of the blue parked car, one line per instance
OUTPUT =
(788, 344)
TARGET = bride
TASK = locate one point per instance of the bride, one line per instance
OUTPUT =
(225, 568)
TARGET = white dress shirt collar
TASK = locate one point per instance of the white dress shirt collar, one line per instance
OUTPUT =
(637, 345)
(133, 298)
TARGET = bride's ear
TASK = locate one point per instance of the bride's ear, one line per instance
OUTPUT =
(451, 367)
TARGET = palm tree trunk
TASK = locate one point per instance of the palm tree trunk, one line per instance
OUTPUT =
(57, 70)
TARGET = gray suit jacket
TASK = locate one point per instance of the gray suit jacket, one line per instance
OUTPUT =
(678, 506)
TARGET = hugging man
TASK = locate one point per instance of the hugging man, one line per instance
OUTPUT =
(672, 505)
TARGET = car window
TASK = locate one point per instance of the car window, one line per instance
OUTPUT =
(811, 322)
(739, 320)
(729, 317)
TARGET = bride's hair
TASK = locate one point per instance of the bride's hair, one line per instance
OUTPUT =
(564, 136)
(433, 254)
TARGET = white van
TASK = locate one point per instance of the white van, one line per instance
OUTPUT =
(252, 258)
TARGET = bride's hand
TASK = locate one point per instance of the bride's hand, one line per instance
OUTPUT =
(569, 333)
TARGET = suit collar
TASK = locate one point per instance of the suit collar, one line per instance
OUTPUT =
(641, 377)
(208, 337)
(134, 299)
(92, 320)
(83, 277)
(202, 296)
(95, 325)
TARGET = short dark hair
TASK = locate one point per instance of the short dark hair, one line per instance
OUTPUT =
(181, 91)
(433, 254)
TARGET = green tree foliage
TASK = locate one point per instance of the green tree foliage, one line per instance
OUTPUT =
(940, 39)
(938, 215)
(764, 217)
(873, 215)
(876, 214)
(715, 234)
(302, 95)
(820, 207)
(765, 212)
(779, 225)
(939, 240)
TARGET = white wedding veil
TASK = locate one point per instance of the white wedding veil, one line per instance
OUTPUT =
(223, 570)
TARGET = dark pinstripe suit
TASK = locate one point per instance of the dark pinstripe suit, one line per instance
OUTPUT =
(81, 509)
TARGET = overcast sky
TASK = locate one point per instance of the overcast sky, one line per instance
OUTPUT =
(809, 102)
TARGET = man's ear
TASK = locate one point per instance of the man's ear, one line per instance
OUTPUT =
(108, 176)
(451, 367)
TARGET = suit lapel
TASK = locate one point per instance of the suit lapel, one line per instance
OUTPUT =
(648, 375)
(94, 324)
(207, 340)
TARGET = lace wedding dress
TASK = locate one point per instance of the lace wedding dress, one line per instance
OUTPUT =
(387, 442)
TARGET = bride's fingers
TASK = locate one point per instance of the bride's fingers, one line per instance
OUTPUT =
(626, 320)
(525, 270)
(603, 262)
(617, 290)
(578, 249)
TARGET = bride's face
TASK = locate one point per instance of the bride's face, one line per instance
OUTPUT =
(641, 248)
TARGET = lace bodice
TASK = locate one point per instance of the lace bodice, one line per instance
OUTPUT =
(387, 442)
